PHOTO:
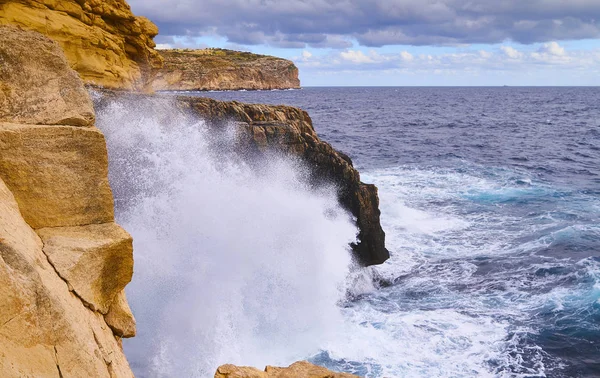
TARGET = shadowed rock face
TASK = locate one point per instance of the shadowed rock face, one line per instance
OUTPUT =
(63, 262)
(102, 40)
(291, 130)
(218, 69)
(287, 129)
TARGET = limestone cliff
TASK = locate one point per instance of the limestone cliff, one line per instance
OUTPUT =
(218, 69)
(300, 369)
(63, 261)
(103, 41)
(288, 129)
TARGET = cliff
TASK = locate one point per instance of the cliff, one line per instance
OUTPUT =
(103, 41)
(218, 69)
(63, 261)
(289, 130)
(299, 369)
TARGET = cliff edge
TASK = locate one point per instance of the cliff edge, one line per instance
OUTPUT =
(102, 40)
(219, 69)
(64, 263)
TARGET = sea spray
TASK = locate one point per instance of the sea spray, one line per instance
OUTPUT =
(234, 262)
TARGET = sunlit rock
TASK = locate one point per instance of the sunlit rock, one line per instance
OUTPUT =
(300, 369)
(102, 40)
(218, 69)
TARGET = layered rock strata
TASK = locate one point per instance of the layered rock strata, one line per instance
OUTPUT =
(63, 261)
(264, 128)
(102, 39)
(218, 69)
(299, 369)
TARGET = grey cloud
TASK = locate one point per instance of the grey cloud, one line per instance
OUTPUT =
(332, 23)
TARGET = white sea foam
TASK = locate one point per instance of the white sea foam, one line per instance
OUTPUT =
(248, 265)
(233, 264)
(426, 325)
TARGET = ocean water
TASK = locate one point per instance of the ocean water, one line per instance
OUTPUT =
(490, 200)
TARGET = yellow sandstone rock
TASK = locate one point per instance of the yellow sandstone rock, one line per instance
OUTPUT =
(95, 260)
(302, 369)
(36, 86)
(59, 174)
(220, 69)
(102, 39)
(119, 317)
(53, 176)
(45, 330)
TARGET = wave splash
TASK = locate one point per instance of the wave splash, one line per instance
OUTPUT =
(235, 262)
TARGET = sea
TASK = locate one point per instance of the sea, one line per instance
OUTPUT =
(489, 197)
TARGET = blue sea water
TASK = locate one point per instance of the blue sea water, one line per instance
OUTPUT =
(490, 199)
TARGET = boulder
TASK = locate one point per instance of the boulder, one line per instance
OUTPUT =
(102, 39)
(36, 84)
(96, 261)
(59, 174)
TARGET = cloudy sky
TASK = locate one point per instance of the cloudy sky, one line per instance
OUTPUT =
(398, 42)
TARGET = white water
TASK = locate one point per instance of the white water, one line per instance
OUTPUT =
(247, 265)
(233, 264)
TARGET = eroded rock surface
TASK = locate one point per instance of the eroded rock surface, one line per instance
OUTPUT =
(218, 69)
(57, 173)
(51, 176)
(102, 39)
(300, 369)
(34, 86)
(95, 260)
(119, 317)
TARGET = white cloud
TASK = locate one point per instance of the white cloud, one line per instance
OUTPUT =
(485, 54)
(552, 48)
(163, 46)
(356, 56)
(511, 52)
(406, 56)
(501, 59)
(306, 54)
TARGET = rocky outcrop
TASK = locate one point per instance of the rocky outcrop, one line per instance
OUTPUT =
(290, 130)
(299, 369)
(103, 41)
(218, 69)
(63, 262)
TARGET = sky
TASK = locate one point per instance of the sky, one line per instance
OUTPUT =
(398, 42)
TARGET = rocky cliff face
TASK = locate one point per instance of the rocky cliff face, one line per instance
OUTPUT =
(217, 69)
(299, 369)
(103, 41)
(290, 130)
(63, 261)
